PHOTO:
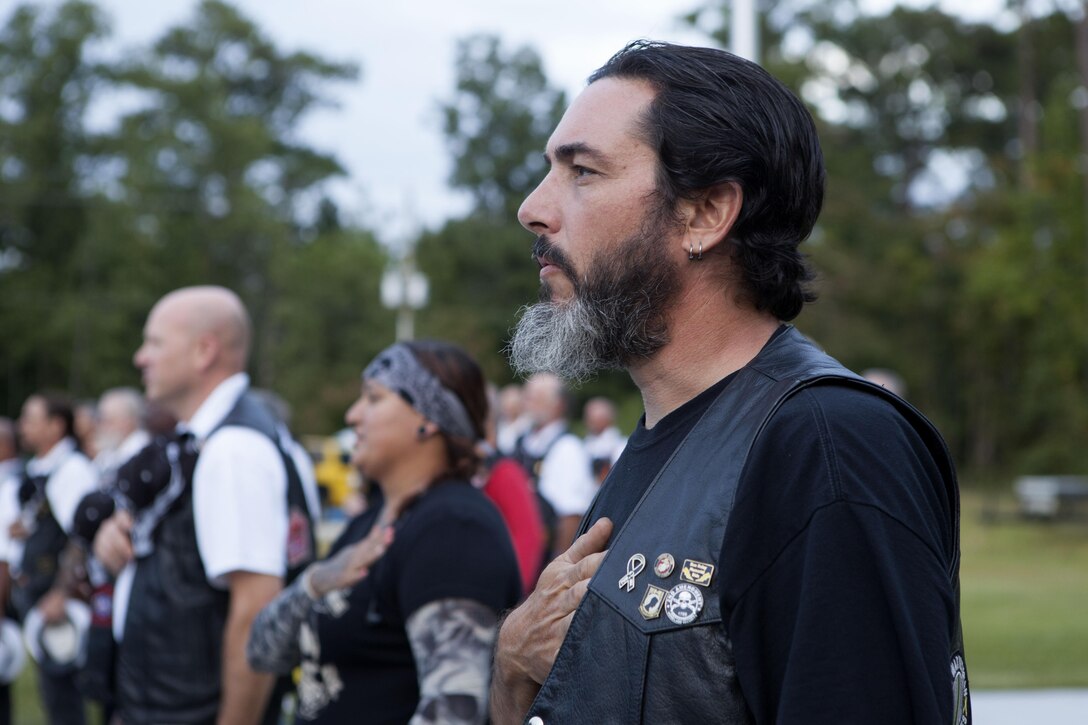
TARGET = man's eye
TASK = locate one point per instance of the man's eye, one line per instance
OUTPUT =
(582, 171)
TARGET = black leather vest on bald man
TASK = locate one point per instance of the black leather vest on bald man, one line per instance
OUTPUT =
(169, 661)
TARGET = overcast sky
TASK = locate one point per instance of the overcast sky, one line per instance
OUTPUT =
(387, 131)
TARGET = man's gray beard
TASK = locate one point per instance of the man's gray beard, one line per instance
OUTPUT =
(560, 339)
(615, 317)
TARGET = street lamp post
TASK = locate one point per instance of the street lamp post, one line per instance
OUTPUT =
(744, 30)
(405, 290)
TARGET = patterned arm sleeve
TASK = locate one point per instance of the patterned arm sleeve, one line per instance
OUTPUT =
(451, 641)
(273, 637)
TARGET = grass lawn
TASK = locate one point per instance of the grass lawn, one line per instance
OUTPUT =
(26, 708)
(1024, 588)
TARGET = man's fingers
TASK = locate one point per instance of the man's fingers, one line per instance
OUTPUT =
(574, 597)
(587, 567)
(591, 542)
(112, 545)
(124, 520)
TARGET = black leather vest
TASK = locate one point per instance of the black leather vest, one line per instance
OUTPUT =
(41, 550)
(169, 662)
(616, 666)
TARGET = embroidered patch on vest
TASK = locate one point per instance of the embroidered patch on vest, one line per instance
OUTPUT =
(683, 604)
(299, 550)
(652, 600)
(697, 572)
(961, 698)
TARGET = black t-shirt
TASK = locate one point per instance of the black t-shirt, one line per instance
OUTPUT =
(835, 591)
(450, 544)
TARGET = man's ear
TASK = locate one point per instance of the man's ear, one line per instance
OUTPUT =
(206, 350)
(711, 217)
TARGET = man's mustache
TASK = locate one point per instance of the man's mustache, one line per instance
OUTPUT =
(544, 251)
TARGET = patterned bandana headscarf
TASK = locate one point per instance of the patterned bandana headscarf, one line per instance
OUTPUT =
(398, 369)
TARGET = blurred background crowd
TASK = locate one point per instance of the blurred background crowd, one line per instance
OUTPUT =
(953, 249)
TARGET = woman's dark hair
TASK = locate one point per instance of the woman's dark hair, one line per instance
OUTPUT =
(458, 372)
(718, 118)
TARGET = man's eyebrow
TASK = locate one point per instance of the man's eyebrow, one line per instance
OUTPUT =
(568, 151)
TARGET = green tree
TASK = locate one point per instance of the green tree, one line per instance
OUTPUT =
(496, 127)
(205, 182)
(496, 124)
(46, 84)
(976, 291)
(328, 323)
(213, 160)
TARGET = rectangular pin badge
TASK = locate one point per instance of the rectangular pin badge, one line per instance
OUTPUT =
(697, 572)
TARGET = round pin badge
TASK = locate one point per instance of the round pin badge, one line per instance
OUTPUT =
(683, 603)
(664, 565)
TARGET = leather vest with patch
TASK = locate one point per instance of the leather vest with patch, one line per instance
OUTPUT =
(42, 548)
(169, 662)
(616, 665)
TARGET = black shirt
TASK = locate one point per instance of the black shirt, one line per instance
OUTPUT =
(835, 590)
(450, 544)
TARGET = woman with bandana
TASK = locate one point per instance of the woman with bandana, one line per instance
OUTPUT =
(397, 625)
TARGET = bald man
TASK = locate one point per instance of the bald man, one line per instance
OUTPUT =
(604, 442)
(555, 457)
(209, 554)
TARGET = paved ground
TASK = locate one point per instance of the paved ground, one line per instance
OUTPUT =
(1030, 707)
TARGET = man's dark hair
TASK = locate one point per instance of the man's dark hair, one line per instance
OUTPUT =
(59, 405)
(718, 118)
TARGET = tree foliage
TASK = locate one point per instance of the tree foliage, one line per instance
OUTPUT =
(952, 243)
(495, 125)
(204, 182)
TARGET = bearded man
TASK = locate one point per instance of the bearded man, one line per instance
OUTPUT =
(782, 536)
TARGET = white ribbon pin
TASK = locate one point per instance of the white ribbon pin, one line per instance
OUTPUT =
(635, 565)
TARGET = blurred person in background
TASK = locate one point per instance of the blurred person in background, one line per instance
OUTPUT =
(507, 484)
(228, 519)
(11, 466)
(11, 470)
(397, 625)
(556, 460)
(511, 421)
(120, 432)
(85, 425)
(53, 483)
(604, 442)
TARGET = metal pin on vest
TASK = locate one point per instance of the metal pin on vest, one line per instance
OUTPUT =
(635, 565)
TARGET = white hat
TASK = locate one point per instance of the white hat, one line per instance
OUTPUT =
(12, 654)
(58, 648)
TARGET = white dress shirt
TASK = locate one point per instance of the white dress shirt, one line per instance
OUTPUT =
(566, 479)
(608, 444)
(71, 477)
(239, 497)
(107, 462)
